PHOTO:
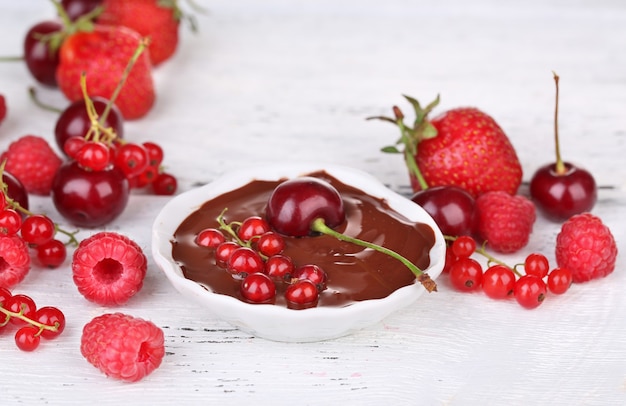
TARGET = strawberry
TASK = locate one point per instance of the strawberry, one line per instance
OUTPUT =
(504, 221)
(586, 247)
(462, 147)
(103, 55)
(31, 160)
(155, 19)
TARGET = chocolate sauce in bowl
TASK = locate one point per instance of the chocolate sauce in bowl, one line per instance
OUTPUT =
(354, 273)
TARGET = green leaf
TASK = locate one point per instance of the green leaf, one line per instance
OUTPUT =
(391, 149)
(428, 131)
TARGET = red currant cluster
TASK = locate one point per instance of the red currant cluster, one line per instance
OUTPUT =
(20, 310)
(38, 231)
(253, 253)
(500, 281)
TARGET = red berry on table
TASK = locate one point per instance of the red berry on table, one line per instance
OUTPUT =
(103, 55)
(51, 254)
(258, 288)
(463, 246)
(31, 159)
(20, 304)
(462, 147)
(559, 280)
(89, 198)
(53, 317)
(586, 247)
(530, 291)
(10, 221)
(157, 20)
(41, 56)
(123, 347)
(466, 274)
(498, 282)
(155, 153)
(164, 184)
(108, 268)
(504, 221)
(14, 260)
(27, 339)
(37, 229)
(562, 189)
(536, 264)
(93, 156)
(131, 158)
(451, 207)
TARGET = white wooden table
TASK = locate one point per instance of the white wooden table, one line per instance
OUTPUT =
(279, 80)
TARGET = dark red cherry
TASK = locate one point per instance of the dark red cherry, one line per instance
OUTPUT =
(89, 198)
(15, 189)
(451, 207)
(78, 8)
(561, 189)
(42, 59)
(560, 196)
(295, 203)
(74, 121)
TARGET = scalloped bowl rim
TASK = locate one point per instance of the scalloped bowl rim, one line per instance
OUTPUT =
(276, 322)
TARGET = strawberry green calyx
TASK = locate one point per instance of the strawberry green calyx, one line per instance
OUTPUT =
(84, 23)
(410, 137)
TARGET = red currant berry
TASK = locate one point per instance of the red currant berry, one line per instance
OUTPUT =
(21, 304)
(270, 243)
(244, 261)
(155, 154)
(312, 273)
(559, 280)
(27, 338)
(10, 221)
(210, 238)
(498, 282)
(302, 294)
(530, 291)
(164, 184)
(279, 267)
(4, 295)
(223, 252)
(258, 288)
(146, 177)
(252, 227)
(131, 158)
(536, 264)
(52, 254)
(450, 259)
(464, 246)
(466, 274)
(72, 145)
(50, 316)
(37, 229)
(94, 155)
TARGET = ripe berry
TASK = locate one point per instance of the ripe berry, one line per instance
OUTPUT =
(498, 282)
(536, 264)
(93, 156)
(50, 316)
(252, 227)
(123, 347)
(164, 184)
(463, 246)
(530, 291)
(21, 304)
(244, 261)
(10, 221)
(108, 268)
(559, 280)
(223, 252)
(27, 339)
(270, 244)
(258, 288)
(302, 294)
(466, 274)
(210, 238)
(37, 229)
(311, 273)
(279, 267)
(131, 158)
(51, 254)
(14, 260)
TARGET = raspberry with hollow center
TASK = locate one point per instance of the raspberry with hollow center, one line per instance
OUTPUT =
(14, 260)
(122, 346)
(109, 268)
(586, 247)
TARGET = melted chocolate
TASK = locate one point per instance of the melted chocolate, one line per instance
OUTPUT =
(354, 273)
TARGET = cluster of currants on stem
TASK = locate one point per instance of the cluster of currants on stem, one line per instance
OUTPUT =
(500, 281)
(251, 252)
(33, 323)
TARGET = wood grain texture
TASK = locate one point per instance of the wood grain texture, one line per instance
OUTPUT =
(277, 80)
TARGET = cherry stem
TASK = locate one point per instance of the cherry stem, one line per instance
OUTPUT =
(319, 225)
(20, 315)
(11, 58)
(482, 250)
(33, 96)
(140, 48)
(560, 166)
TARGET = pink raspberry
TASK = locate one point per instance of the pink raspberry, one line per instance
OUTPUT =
(109, 268)
(32, 160)
(14, 260)
(505, 221)
(586, 247)
(122, 346)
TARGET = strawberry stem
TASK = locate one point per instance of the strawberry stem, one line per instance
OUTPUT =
(560, 166)
(320, 226)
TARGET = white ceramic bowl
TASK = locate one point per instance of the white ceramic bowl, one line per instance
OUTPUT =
(276, 322)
